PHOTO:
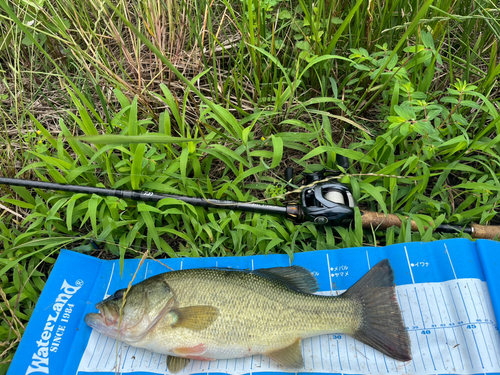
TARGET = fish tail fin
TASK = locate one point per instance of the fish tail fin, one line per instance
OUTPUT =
(382, 325)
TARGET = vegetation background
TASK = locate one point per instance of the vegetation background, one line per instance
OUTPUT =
(215, 98)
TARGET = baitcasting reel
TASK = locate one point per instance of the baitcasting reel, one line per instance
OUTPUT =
(327, 202)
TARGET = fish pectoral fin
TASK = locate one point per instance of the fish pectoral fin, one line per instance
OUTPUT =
(290, 356)
(176, 364)
(195, 317)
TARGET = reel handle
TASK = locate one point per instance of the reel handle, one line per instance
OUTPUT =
(289, 174)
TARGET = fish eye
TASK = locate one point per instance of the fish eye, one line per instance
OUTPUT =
(119, 293)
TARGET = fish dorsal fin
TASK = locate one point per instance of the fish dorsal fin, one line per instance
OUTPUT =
(295, 277)
(176, 364)
(290, 356)
(194, 317)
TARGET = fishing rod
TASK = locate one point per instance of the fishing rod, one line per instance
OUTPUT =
(323, 202)
(319, 202)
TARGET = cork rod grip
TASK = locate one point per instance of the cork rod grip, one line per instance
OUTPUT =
(380, 221)
(488, 232)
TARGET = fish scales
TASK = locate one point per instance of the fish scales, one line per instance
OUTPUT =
(256, 314)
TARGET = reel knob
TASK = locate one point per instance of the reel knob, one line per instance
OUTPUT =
(320, 220)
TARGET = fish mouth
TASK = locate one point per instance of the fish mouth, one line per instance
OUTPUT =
(110, 318)
(101, 324)
(95, 320)
(105, 319)
(107, 322)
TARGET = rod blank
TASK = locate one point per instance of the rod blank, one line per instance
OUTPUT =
(149, 196)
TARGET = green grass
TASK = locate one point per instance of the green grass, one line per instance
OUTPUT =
(215, 99)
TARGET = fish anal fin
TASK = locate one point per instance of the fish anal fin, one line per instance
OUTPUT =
(290, 356)
(195, 318)
(295, 277)
(176, 364)
(382, 326)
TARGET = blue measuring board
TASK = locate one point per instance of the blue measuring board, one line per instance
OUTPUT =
(449, 293)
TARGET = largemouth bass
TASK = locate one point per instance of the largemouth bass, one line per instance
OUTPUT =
(206, 314)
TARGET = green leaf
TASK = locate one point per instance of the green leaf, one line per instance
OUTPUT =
(272, 244)
(172, 104)
(427, 39)
(144, 138)
(303, 45)
(18, 203)
(92, 212)
(353, 123)
(56, 162)
(136, 171)
(318, 59)
(449, 99)
(406, 112)
(133, 126)
(375, 192)
(86, 123)
(277, 151)
(69, 210)
(245, 133)
(333, 42)
(388, 170)
(351, 154)
(152, 231)
(275, 61)
(396, 120)
(124, 102)
(227, 120)
(478, 187)
(284, 15)
(249, 172)
(258, 232)
(52, 244)
(470, 104)
(395, 98)
(230, 154)
(184, 162)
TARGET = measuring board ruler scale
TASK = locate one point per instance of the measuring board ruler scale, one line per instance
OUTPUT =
(443, 289)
